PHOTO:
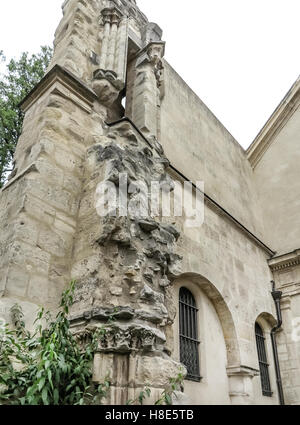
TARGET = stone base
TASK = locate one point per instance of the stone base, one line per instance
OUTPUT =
(129, 374)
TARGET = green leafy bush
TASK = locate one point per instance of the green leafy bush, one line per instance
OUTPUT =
(47, 367)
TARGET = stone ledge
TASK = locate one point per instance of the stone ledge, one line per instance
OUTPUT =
(242, 371)
(70, 86)
(285, 261)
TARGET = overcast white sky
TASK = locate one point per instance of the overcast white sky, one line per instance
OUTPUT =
(239, 56)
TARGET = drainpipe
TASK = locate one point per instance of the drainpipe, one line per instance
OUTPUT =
(277, 297)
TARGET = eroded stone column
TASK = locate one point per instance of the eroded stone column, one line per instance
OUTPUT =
(122, 265)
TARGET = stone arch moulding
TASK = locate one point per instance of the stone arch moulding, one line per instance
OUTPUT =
(264, 318)
(223, 312)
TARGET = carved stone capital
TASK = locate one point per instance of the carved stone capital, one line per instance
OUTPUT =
(151, 33)
(107, 93)
(153, 54)
(111, 15)
(156, 51)
(123, 339)
(107, 86)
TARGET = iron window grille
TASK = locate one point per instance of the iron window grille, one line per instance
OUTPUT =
(263, 361)
(188, 334)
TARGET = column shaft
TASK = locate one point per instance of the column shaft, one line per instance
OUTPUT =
(103, 55)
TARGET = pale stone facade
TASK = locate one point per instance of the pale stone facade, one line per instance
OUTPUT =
(76, 134)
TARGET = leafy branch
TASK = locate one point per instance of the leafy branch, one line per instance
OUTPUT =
(47, 367)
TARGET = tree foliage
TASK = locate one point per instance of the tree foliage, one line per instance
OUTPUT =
(20, 78)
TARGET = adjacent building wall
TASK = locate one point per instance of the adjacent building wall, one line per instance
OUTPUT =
(277, 181)
(275, 158)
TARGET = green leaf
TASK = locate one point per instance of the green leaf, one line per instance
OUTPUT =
(41, 383)
(168, 399)
(56, 396)
(50, 378)
(45, 396)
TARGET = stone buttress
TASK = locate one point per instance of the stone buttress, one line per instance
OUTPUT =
(74, 138)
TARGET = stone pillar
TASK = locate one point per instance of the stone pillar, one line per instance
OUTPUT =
(109, 79)
(105, 39)
(148, 89)
(240, 380)
(122, 267)
(121, 50)
(115, 19)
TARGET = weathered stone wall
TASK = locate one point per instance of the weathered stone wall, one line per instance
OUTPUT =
(231, 269)
(39, 205)
(77, 36)
(200, 147)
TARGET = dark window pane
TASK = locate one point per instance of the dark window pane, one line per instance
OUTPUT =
(263, 363)
(189, 344)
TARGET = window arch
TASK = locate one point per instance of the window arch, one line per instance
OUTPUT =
(188, 334)
(263, 361)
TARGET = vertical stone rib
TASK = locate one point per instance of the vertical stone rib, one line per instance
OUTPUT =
(121, 51)
(106, 36)
(112, 44)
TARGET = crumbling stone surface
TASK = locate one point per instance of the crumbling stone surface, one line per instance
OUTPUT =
(135, 254)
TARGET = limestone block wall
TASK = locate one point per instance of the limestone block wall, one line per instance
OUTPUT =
(232, 271)
(40, 203)
(77, 36)
(200, 147)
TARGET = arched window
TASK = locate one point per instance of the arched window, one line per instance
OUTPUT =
(263, 361)
(188, 333)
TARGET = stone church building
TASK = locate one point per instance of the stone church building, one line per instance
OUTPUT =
(202, 296)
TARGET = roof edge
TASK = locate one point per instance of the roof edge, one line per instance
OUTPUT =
(275, 123)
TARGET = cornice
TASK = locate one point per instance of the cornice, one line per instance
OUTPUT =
(242, 371)
(285, 261)
(73, 87)
(276, 122)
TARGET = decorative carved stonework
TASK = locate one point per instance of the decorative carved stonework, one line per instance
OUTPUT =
(155, 53)
(129, 8)
(118, 338)
(111, 16)
(127, 289)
